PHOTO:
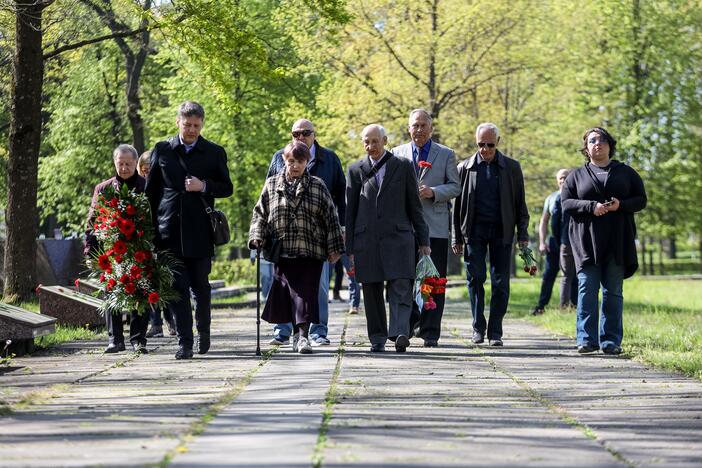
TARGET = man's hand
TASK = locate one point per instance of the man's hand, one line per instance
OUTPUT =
(457, 249)
(523, 243)
(256, 243)
(425, 250)
(614, 206)
(600, 209)
(425, 192)
(543, 247)
(193, 184)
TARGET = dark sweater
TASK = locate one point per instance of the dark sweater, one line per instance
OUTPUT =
(596, 239)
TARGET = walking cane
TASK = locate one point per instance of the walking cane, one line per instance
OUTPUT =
(258, 301)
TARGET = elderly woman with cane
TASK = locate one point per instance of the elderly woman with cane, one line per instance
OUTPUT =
(295, 210)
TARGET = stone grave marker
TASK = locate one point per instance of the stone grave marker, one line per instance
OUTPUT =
(21, 327)
(69, 306)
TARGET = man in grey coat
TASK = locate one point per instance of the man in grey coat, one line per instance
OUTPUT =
(435, 166)
(487, 211)
(383, 222)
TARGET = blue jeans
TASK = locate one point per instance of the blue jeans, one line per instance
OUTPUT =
(266, 277)
(354, 288)
(611, 329)
(476, 273)
(550, 272)
(317, 330)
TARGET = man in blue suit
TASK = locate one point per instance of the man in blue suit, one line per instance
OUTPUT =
(325, 164)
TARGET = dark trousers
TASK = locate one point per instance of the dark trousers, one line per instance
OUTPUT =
(400, 301)
(137, 327)
(192, 274)
(550, 272)
(569, 282)
(339, 272)
(486, 239)
(157, 319)
(430, 320)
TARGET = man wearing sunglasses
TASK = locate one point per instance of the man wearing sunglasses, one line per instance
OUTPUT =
(325, 164)
(487, 211)
(435, 166)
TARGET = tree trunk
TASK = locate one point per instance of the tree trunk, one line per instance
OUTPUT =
(135, 65)
(661, 268)
(672, 248)
(25, 137)
(643, 256)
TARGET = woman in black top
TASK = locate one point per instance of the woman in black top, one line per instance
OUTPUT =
(602, 197)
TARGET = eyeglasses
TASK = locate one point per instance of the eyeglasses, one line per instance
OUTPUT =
(595, 141)
(489, 145)
(304, 133)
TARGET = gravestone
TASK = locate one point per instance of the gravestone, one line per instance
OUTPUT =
(70, 307)
(89, 287)
(59, 261)
(21, 327)
(217, 283)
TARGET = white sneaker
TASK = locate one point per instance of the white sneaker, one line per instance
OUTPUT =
(295, 341)
(303, 346)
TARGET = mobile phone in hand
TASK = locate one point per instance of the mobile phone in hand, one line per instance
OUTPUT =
(608, 203)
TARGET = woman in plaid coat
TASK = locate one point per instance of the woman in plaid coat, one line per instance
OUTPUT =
(298, 208)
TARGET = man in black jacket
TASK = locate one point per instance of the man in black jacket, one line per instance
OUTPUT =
(187, 174)
(491, 205)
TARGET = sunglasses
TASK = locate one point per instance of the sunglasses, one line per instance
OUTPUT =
(489, 145)
(304, 133)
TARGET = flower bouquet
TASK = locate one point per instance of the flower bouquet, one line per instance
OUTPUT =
(427, 282)
(132, 276)
(529, 261)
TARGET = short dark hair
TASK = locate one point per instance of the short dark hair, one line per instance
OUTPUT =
(604, 134)
(191, 109)
(297, 150)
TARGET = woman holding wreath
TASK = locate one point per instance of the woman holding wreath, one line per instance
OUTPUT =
(297, 209)
(602, 197)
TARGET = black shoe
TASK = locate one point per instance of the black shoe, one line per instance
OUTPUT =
(140, 348)
(377, 348)
(431, 343)
(114, 348)
(203, 344)
(184, 353)
(611, 349)
(337, 297)
(477, 337)
(401, 343)
(587, 348)
(537, 311)
(495, 342)
(155, 331)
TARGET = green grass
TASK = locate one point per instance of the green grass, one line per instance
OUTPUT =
(662, 319)
(65, 333)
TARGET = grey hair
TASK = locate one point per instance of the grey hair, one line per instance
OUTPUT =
(375, 127)
(191, 109)
(423, 111)
(125, 148)
(487, 126)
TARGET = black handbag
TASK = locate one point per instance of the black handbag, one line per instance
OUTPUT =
(218, 220)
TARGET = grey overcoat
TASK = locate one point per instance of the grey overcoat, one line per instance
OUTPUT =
(382, 224)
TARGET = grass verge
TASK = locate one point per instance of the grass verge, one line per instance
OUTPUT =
(662, 319)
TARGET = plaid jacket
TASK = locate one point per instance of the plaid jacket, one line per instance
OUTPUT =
(313, 232)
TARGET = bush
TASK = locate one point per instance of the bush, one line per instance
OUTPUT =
(234, 272)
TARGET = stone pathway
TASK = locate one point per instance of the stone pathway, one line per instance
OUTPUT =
(535, 402)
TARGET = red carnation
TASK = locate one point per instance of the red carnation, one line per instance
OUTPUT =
(126, 227)
(131, 211)
(129, 288)
(153, 298)
(113, 202)
(102, 277)
(103, 262)
(76, 282)
(425, 164)
(120, 247)
(124, 279)
(135, 270)
(111, 284)
(118, 258)
(139, 256)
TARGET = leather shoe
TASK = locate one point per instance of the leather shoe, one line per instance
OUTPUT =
(495, 342)
(203, 344)
(401, 343)
(477, 337)
(428, 343)
(587, 348)
(612, 349)
(184, 353)
(377, 348)
(140, 348)
(114, 348)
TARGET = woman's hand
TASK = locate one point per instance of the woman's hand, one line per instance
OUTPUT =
(600, 209)
(457, 249)
(614, 206)
(256, 243)
(334, 257)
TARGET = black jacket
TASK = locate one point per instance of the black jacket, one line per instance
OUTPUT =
(182, 224)
(595, 239)
(513, 206)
